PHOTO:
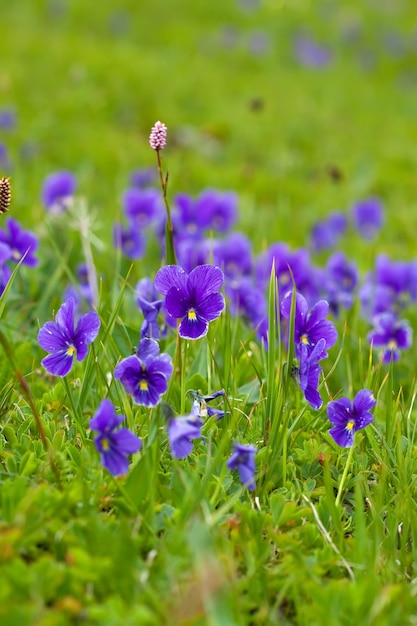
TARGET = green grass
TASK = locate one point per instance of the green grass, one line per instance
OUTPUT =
(181, 542)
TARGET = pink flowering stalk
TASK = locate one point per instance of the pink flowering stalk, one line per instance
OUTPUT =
(158, 136)
(157, 141)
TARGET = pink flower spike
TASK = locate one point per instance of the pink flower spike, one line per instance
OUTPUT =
(158, 136)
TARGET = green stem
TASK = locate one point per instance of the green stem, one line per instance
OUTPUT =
(80, 426)
(169, 231)
(344, 476)
(27, 392)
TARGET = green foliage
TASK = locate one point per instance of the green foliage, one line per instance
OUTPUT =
(182, 542)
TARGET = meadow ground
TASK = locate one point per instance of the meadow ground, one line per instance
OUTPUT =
(294, 124)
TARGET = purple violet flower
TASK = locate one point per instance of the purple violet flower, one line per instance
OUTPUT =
(182, 430)
(368, 217)
(113, 445)
(20, 241)
(347, 417)
(64, 340)
(142, 177)
(234, 255)
(218, 209)
(145, 375)
(242, 459)
(150, 305)
(311, 326)
(311, 54)
(194, 298)
(390, 334)
(58, 190)
(340, 278)
(308, 373)
(7, 119)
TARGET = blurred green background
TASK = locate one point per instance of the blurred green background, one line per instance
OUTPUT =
(247, 108)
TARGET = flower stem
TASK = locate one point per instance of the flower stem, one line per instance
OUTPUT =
(169, 231)
(27, 392)
(344, 476)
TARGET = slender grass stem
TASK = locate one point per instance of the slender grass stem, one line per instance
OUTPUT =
(344, 476)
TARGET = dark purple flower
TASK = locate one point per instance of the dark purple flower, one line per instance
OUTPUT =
(194, 298)
(64, 340)
(242, 459)
(326, 233)
(20, 242)
(142, 207)
(309, 327)
(186, 218)
(308, 373)
(82, 291)
(113, 445)
(390, 334)
(58, 190)
(347, 417)
(145, 375)
(182, 430)
(130, 240)
(246, 300)
(368, 217)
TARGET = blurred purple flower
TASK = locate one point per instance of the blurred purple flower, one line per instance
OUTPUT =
(145, 375)
(368, 217)
(390, 334)
(234, 255)
(64, 340)
(142, 207)
(310, 53)
(150, 305)
(20, 242)
(326, 233)
(347, 417)
(58, 190)
(113, 445)
(7, 119)
(130, 240)
(340, 281)
(242, 459)
(194, 298)
(143, 177)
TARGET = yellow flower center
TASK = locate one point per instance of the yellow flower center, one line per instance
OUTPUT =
(143, 385)
(392, 344)
(105, 443)
(304, 340)
(192, 315)
(70, 351)
(350, 425)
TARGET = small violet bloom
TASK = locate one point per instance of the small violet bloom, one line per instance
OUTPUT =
(368, 217)
(21, 242)
(182, 430)
(311, 326)
(390, 334)
(308, 373)
(145, 375)
(113, 445)
(64, 340)
(347, 417)
(58, 190)
(243, 460)
(150, 305)
(194, 298)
